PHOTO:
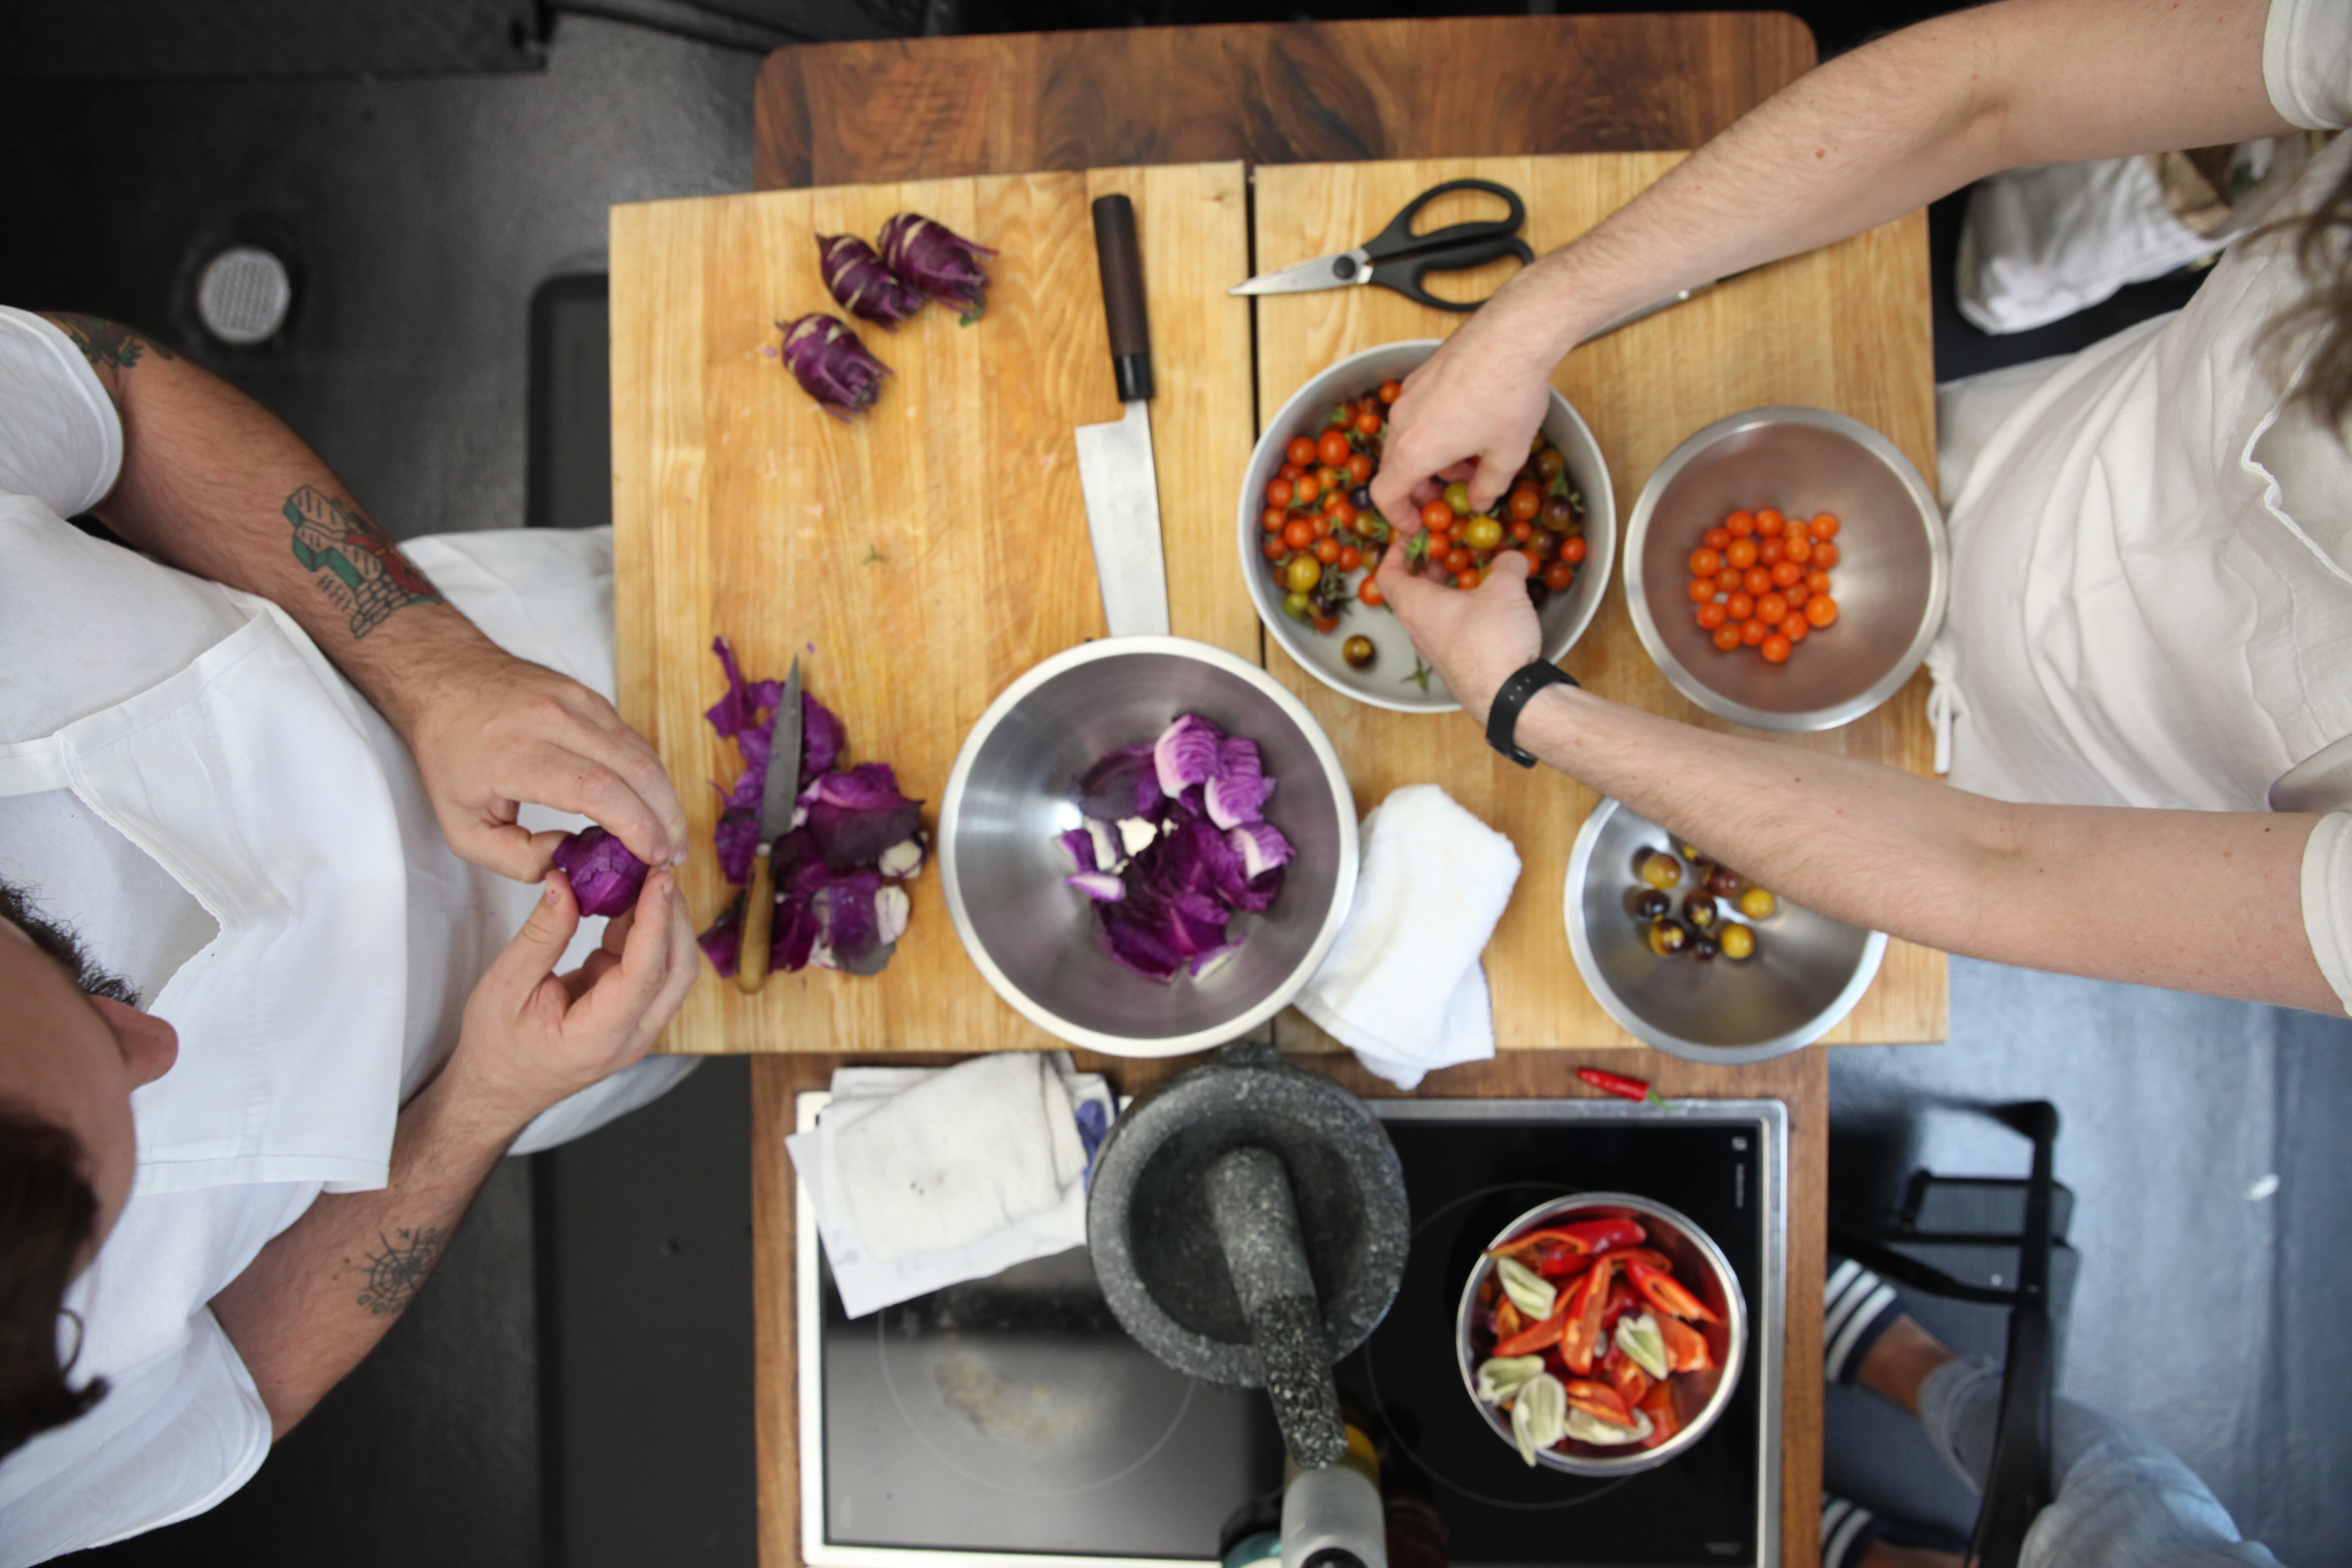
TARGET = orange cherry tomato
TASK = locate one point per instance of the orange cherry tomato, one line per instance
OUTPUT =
(1270, 520)
(1702, 590)
(1825, 554)
(1369, 591)
(1770, 522)
(1787, 574)
(1289, 471)
(1796, 593)
(1521, 531)
(1712, 615)
(1796, 528)
(1775, 648)
(1301, 450)
(1771, 552)
(1304, 488)
(1796, 628)
(1274, 547)
(1825, 526)
(1772, 609)
(1436, 514)
(1757, 581)
(1573, 550)
(1326, 550)
(1526, 501)
(1277, 492)
(1327, 623)
(1727, 579)
(1753, 631)
(1821, 609)
(1705, 562)
(1739, 606)
(1337, 509)
(1350, 558)
(1459, 560)
(1718, 539)
(1334, 476)
(1390, 391)
(1799, 549)
(1817, 581)
(1739, 524)
(1741, 554)
(1726, 636)
(1535, 561)
(1559, 576)
(1467, 578)
(1359, 467)
(1320, 524)
(1298, 534)
(1368, 422)
(1333, 449)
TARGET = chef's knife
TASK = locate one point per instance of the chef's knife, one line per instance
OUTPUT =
(1116, 473)
(778, 796)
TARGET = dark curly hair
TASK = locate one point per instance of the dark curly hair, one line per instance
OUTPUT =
(2322, 248)
(47, 1213)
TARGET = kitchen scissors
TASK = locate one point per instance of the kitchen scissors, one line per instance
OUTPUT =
(1399, 259)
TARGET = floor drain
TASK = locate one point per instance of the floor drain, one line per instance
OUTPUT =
(243, 294)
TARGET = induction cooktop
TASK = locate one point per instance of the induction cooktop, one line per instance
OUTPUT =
(1010, 1421)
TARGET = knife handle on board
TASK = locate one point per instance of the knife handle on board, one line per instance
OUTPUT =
(1121, 258)
(759, 925)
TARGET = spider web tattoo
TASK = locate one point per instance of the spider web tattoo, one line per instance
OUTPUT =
(397, 1273)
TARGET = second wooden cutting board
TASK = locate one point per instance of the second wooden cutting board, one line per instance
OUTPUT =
(921, 556)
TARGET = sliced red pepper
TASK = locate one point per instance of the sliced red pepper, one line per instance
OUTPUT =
(1581, 1338)
(1560, 1235)
(1556, 1262)
(1620, 1301)
(1649, 1254)
(1542, 1333)
(1507, 1320)
(1625, 1374)
(1658, 1404)
(1598, 1400)
(1686, 1346)
(1618, 1084)
(1668, 1294)
(1609, 1235)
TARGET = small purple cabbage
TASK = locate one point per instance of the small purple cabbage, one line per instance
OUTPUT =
(936, 260)
(854, 274)
(605, 876)
(1100, 886)
(855, 816)
(1121, 783)
(1237, 793)
(1186, 753)
(832, 366)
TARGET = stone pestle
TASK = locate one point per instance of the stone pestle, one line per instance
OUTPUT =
(1257, 1223)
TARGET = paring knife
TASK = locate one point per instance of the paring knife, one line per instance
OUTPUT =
(1116, 473)
(778, 796)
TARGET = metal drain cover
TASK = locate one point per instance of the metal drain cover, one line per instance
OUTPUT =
(243, 294)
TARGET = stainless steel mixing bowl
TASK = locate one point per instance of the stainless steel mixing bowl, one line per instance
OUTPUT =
(1387, 682)
(1036, 941)
(1699, 1263)
(1893, 565)
(1808, 972)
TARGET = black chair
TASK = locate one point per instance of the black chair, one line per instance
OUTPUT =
(1957, 1217)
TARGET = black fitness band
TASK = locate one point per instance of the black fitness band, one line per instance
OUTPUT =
(1504, 716)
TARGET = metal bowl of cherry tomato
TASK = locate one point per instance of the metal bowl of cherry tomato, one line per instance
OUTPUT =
(1310, 538)
(1681, 1269)
(1725, 577)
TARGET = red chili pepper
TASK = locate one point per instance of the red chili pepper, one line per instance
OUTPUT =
(1618, 1084)
(1557, 1235)
(1668, 1294)
(1559, 1263)
(1649, 1254)
(1620, 1301)
(1686, 1346)
(1581, 1337)
(1598, 1400)
(1625, 1374)
(1658, 1404)
(1507, 1320)
(1608, 1234)
(1534, 1337)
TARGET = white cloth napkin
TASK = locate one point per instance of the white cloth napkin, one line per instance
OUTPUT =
(921, 1178)
(1402, 987)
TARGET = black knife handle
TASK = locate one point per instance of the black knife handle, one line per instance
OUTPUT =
(1121, 260)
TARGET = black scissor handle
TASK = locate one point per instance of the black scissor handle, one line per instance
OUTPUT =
(1406, 276)
(1397, 238)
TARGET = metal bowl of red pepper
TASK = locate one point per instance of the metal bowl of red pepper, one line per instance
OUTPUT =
(1601, 1334)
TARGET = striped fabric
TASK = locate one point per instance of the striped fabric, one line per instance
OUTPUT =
(1857, 1305)
(1847, 1531)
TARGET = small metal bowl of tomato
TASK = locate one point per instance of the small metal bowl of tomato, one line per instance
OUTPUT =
(1692, 1263)
(1888, 580)
(1394, 677)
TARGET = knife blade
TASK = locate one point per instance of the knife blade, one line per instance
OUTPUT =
(1115, 472)
(778, 794)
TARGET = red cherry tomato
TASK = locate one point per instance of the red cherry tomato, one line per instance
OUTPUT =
(1726, 636)
(1526, 501)
(1459, 560)
(1825, 525)
(1350, 558)
(1728, 580)
(1825, 554)
(1702, 590)
(1390, 391)
(1705, 562)
(1817, 581)
(1573, 550)
(1787, 574)
(1436, 514)
(1768, 523)
(1821, 609)
(1467, 578)
(1333, 449)
(1559, 576)
(1300, 451)
(1327, 623)
(1753, 631)
(1277, 492)
(1775, 648)
(1771, 609)
(1796, 628)
(1274, 547)
(1368, 422)
(1739, 524)
(1326, 550)
(1304, 488)
(1757, 581)
(1739, 606)
(1369, 591)
(1298, 534)
(1799, 548)
(1712, 615)
(1718, 539)
(1741, 554)
(1271, 521)
(1359, 467)
(1771, 552)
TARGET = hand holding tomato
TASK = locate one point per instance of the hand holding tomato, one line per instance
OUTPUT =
(1475, 638)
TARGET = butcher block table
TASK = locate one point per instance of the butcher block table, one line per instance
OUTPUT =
(937, 549)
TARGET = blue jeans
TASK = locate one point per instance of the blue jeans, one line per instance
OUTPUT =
(2121, 1499)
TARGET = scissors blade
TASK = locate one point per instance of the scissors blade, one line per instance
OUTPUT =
(1324, 272)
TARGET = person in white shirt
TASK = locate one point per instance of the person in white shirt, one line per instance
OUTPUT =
(2146, 673)
(266, 771)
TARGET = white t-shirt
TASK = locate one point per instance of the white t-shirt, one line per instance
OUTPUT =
(2150, 600)
(84, 625)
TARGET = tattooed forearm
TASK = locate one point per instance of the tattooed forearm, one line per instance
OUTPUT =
(397, 1273)
(105, 343)
(359, 566)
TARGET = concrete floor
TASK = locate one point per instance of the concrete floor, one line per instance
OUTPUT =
(575, 1387)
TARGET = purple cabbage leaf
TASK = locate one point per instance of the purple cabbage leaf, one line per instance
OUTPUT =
(605, 876)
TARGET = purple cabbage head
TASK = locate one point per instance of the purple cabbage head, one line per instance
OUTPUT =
(934, 258)
(605, 876)
(854, 275)
(832, 366)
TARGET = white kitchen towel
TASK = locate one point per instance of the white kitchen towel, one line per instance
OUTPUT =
(869, 1278)
(1402, 987)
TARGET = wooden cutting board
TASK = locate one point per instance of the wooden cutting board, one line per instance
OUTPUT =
(920, 557)
(1845, 328)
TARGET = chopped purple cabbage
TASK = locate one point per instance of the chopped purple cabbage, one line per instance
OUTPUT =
(1099, 885)
(1121, 783)
(855, 816)
(1238, 793)
(854, 274)
(604, 874)
(936, 260)
(1186, 753)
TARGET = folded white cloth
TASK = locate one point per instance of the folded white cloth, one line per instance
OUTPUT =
(919, 1178)
(1402, 987)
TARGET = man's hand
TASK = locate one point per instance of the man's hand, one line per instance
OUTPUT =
(1470, 409)
(531, 1036)
(1476, 639)
(489, 730)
